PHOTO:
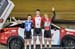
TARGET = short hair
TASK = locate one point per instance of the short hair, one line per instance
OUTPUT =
(29, 15)
(37, 9)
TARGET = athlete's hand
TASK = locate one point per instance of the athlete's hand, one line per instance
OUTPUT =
(12, 17)
(53, 9)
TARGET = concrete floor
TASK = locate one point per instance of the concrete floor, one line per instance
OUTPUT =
(53, 47)
(5, 47)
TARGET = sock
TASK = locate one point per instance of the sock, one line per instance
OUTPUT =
(34, 47)
(29, 46)
(24, 47)
(41, 46)
(45, 46)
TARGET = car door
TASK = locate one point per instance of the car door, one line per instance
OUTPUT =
(55, 31)
(2, 35)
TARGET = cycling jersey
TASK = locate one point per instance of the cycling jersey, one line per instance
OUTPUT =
(47, 23)
(28, 25)
(37, 21)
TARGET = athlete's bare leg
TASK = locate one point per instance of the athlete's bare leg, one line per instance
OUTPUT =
(45, 42)
(50, 42)
(35, 37)
(40, 38)
(25, 43)
(29, 43)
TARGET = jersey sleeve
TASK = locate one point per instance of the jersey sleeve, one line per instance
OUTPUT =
(33, 22)
(43, 19)
(50, 20)
(24, 24)
(32, 25)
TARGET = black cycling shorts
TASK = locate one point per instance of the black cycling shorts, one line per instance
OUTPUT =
(37, 32)
(27, 35)
(47, 34)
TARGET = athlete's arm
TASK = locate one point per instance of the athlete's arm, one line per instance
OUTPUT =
(14, 19)
(43, 19)
(32, 25)
(53, 15)
(24, 24)
(17, 21)
(33, 22)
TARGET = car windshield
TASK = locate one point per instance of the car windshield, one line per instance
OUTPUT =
(9, 25)
(0, 1)
(3, 5)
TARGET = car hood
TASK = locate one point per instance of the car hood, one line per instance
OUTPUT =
(71, 30)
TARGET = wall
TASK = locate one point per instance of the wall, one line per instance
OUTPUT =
(65, 8)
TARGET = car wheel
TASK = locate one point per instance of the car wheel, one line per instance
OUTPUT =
(16, 44)
(68, 43)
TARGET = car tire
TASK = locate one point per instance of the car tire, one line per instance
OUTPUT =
(16, 43)
(68, 43)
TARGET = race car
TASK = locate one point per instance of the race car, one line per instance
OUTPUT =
(13, 36)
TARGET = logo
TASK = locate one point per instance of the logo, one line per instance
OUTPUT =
(1, 20)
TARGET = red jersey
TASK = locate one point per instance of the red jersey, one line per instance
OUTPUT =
(47, 23)
(37, 21)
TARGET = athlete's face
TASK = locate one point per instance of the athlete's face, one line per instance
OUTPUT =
(46, 16)
(37, 12)
(29, 17)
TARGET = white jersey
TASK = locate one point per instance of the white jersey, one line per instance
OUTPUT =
(37, 22)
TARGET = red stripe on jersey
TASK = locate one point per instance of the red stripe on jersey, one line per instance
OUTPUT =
(37, 21)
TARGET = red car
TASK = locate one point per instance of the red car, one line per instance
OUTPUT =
(13, 36)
